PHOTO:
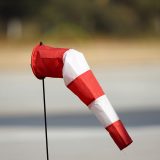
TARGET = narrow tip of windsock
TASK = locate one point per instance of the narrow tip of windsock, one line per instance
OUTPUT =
(119, 134)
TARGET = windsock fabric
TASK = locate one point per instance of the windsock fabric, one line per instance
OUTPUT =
(71, 65)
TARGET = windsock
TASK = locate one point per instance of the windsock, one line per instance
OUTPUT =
(71, 65)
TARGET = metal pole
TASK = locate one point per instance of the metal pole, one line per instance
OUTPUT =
(45, 119)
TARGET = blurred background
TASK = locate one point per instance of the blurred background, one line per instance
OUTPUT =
(121, 42)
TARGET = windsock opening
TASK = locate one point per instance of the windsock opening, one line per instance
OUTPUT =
(71, 65)
(47, 61)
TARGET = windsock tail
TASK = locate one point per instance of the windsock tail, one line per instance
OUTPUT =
(81, 81)
(119, 134)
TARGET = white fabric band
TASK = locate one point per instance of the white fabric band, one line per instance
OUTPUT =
(104, 111)
(74, 65)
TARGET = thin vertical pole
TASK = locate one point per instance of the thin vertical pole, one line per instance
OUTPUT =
(45, 119)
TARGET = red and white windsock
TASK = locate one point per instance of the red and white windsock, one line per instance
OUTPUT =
(71, 65)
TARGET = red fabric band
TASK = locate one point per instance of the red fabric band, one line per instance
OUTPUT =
(119, 134)
(47, 61)
(86, 87)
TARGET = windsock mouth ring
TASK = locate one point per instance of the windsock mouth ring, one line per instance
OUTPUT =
(33, 60)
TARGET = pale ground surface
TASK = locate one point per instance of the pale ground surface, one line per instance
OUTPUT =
(128, 72)
(79, 144)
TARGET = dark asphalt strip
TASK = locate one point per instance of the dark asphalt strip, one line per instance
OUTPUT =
(130, 119)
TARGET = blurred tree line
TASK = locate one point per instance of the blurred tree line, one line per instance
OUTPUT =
(112, 17)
